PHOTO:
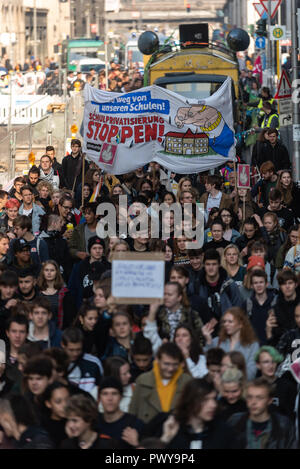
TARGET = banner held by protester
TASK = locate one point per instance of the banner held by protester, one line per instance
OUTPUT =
(125, 131)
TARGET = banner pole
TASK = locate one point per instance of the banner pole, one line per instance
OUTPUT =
(82, 179)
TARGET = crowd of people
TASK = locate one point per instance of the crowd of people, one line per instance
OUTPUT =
(47, 79)
(207, 368)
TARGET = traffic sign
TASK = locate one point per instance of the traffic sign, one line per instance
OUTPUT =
(260, 42)
(285, 119)
(259, 8)
(284, 89)
(274, 6)
(285, 106)
(277, 33)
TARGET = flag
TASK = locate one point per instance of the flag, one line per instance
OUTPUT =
(257, 69)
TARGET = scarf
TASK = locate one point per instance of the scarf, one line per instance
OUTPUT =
(47, 177)
(60, 312)
(97, 190)
(166, 392)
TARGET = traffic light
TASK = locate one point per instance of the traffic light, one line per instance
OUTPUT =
(188, 7)
(261, 28)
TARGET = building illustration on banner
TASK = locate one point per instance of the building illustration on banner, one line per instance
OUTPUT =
(186, 143)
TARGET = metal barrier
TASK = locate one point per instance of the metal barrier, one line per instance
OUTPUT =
(52, 128)
(19, 110)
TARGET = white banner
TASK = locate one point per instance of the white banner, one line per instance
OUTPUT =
(123, 132)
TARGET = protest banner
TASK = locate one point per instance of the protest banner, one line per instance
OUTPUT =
(138, 278)
(123, 132)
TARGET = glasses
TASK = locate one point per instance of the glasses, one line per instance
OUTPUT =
(226, 215)
(66, 208)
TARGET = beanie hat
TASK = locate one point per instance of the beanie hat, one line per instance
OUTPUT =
(111, 382)
(95, 240)
(255, 261)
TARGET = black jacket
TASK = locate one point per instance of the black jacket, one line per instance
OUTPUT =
(217, 434)
(282, 433)
(72, 171)
(284, 313)
(278, 154)
(34, 438)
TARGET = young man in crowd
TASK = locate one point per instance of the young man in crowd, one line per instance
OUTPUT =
(22, 259)
(268, 181)
(215, 287)
(47, 173)
(38, 248)
(3, 200)
(16, 334)
(15, 192)
(72, 166)
(29, 208)
(57, 167)
(33, 179)
(259, 428)
(259, 304)
(158, 390)
(27, 289)
(78, 243)
(121, 426)
(281, 317)
(85, 370)
(285, 216)
(8, 297)
(4, 248)
(41, 329)
(213, 196)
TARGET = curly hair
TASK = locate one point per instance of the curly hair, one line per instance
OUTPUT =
(247, 334)
(47, 185)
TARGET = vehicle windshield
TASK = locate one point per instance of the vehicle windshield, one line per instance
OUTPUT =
(194, 90)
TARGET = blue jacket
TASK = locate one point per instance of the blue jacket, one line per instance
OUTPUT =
(37, 212)
(54, 336)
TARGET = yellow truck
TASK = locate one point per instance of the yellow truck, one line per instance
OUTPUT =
(195, 68)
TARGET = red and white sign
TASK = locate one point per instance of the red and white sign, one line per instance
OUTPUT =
(257, 69)
(274, 6)
(259, 8)
(243, 179)
(284, 89)
(108, 154)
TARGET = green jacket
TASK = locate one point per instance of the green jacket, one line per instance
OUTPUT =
(145, 403)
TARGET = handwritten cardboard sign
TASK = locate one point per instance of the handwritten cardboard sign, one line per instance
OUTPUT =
(138, 278)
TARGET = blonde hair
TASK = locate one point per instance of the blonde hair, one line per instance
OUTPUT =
(223, 260)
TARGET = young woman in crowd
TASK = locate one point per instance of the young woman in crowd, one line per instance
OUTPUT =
(52, 286)
(228, 218)
(119, 368)
(250, 232)
(11, 212)
(290, 191)
(234, 359)
(233, 264)
(195, 361)
(55, 400)
(291, 241)
(86, 321)
(236, 333)
(45, 191)
(120, 339)
(232, 388)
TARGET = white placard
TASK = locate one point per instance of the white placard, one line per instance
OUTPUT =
(138, 279)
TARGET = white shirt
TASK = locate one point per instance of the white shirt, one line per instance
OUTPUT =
(212, 202)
